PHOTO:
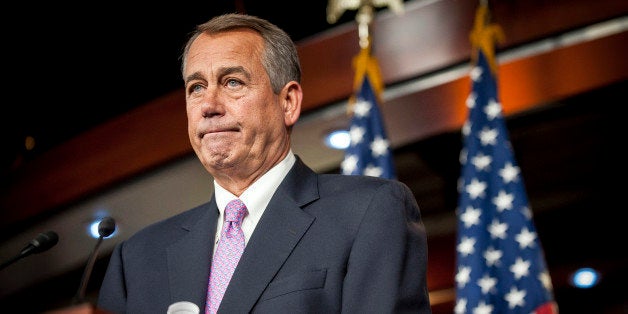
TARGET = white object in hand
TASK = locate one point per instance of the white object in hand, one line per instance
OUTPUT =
(183, 307)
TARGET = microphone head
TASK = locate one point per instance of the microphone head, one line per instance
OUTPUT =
(44, 241)
(106, 227)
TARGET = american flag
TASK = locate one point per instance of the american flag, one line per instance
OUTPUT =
(501, 266)
(369, 150)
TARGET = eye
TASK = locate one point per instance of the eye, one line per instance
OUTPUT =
(195, 88)
(233, 83)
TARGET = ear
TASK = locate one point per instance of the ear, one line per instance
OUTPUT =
(291, 98)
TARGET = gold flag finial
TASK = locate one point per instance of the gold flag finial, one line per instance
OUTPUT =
(364, 17)
(364, 63)
(484, 35)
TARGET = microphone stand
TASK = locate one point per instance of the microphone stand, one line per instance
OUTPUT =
(105, 228)
(10, 261)
(80, 294)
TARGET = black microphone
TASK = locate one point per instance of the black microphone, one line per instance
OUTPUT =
(43, 242)
(105, 228)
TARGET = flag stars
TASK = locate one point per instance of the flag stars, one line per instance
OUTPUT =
(497, 229)
(525, 238)
(483, 308)
(509, 173)
(493, 109)
(466, 128)
(487, 283)
(497, 246)
(476, 188)
(488, 136)
(492, 256)
(373, 171)
(356, 134)
(503, 201)
(369, 154)
(470, 102)
(459, 184)
(546, 280)
(520, 268)
(476, 73)
(362, 108)
(481, 161)
(463, 156)
(465, 247)
(515, 298)
(349, 164)
(470, 217)
(463, 275)
(525, 210)
(379, 146)
(461, 306)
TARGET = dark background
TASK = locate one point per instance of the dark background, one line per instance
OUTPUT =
(68, 68)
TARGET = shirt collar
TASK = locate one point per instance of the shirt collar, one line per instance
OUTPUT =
(257, 196)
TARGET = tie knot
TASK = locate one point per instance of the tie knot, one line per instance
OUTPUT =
(235, 211)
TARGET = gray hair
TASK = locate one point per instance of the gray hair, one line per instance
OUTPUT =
(280, 57)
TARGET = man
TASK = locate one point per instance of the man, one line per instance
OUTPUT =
(314, 243)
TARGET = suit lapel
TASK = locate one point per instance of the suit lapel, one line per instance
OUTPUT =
(279, 230)
(189, 258)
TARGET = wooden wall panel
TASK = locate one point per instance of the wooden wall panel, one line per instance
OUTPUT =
(428, 37)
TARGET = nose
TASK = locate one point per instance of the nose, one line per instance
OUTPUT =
(211, 104)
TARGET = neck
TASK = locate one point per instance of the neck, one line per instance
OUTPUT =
(240, 179)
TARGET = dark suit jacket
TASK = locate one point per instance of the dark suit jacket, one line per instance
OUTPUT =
(327, 243)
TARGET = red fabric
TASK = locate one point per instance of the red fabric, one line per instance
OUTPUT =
(547, 308)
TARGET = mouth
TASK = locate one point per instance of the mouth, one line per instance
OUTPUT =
(202, 134)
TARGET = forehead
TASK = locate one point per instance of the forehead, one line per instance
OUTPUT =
(241, 45)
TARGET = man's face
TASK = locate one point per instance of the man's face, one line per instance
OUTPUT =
(236, 124)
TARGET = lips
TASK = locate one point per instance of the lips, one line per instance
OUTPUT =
(217, 131)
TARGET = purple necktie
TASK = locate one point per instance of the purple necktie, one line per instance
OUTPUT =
(228, 252)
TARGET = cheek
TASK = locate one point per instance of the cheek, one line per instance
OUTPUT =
(192, 119)
(269, 114)
(265, 120)
(192, 107)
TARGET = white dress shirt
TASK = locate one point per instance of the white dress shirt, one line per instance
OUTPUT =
(256, 197)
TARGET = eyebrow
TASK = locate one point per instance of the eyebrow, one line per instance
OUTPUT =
(235, 69)
(194, 76)
(221, 72)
